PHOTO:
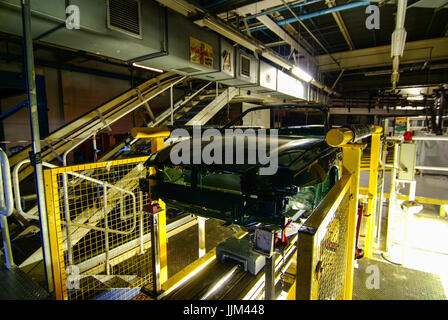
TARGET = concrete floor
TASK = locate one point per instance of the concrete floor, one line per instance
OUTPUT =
(423, 274)
(423, 254)
(183, 248)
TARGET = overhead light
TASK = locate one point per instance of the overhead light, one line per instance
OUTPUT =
(415, 98)
(134, 64)
(301, 74)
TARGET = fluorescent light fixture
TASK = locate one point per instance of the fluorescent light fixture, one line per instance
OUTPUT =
(146, 67)
(301, 74)
(415, 98)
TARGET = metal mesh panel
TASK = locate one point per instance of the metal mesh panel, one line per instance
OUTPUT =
(333, 255)
(105, 233)
(323, 245)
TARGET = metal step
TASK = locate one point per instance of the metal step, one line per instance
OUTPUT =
(213, 107)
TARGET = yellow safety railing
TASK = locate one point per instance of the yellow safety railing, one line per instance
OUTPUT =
(100, 234)
(323, 247)
(326, 242)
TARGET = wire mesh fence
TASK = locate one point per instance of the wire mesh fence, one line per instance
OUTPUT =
(101, 240)
(333, 254)
(323, 247)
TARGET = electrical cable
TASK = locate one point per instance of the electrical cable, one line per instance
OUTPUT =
(395, 263)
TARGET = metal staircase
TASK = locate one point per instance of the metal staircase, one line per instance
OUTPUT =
(94, 121)
(197, 107)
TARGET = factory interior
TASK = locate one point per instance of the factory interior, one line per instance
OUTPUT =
(223, 150)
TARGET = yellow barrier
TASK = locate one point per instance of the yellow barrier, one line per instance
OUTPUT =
(326, 243)
(98, 230)
(323, 247)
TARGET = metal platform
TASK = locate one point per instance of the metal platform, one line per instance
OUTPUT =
(396, 283)
(16, 285)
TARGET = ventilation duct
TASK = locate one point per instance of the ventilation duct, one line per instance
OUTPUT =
(135, 30)
(125, 16)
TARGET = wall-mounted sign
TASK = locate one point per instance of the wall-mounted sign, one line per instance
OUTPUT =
(227, 61)
(201, 53)
(401, 124)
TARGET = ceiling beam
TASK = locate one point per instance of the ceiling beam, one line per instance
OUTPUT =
(415, 52)
(271, 25)
(340, 22)
(374, 112)
(255, 8)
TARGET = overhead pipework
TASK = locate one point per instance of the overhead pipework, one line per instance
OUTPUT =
(398, 41)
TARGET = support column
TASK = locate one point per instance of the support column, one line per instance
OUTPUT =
(36, 155)
(269, 284)
(375, 150)
(201, 232)
(351, 160)
(156, 145)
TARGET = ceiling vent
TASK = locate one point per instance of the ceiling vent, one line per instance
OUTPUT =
(245, 66)
(187, 70)
(125, 16)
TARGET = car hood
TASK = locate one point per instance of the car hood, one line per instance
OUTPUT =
(293, 153)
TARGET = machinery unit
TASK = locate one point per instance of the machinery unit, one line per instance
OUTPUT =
(241, 250)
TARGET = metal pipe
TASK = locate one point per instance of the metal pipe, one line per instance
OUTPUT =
(9, 263)
(213, 3)
(171, 106)
(140, 209)
(155, 254)
(6, 195)
(13, 110)
(342, 27)
(106, 231)
(30, 214)
(95, 155)
(111, 186)
(311, 34)
(34, 120)
(283, 8)
(431, 168)
(398, 41)
(316, 14)
(422, 138)
(6, 207)
(67, 218)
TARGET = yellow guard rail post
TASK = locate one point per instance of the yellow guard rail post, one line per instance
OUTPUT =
(326, 244)
(351, 161)
(157, 136)
(375, 153)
